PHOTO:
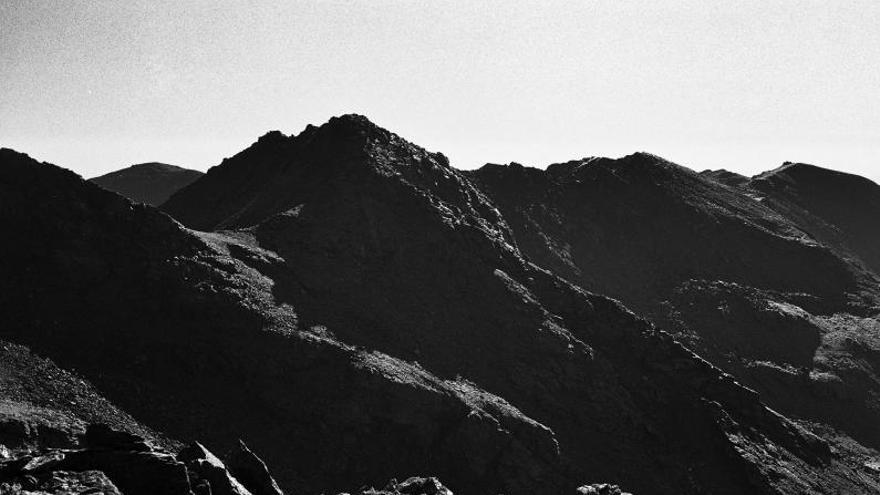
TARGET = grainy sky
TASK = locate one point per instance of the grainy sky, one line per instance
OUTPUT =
(98, 85)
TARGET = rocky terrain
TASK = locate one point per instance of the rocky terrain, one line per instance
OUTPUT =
(150, 183)
(771, 278)
(357, 311)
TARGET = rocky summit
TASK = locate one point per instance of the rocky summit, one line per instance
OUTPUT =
(341, 311)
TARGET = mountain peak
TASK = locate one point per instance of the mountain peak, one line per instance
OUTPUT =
(156, 165)
(347, 151)
(637, 166)
(812, 174)
(151, 183)
(353, 120)
(274, 136)
(643, 157)
(347, 128)
(350, 127)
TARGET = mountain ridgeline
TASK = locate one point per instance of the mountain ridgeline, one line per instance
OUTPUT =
(356, 310)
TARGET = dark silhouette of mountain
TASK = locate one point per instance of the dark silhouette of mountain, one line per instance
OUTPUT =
(733, 272)
(841, 210)
(392, 249)
(639, 226)
(150, 183)
(181, 330)
(361, 310)
(725, 177)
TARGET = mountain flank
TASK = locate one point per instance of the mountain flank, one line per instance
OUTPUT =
(757, 275)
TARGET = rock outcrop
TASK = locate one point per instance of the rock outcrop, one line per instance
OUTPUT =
(411, 486)
(112, 462)
(203, 466)
(251, 471)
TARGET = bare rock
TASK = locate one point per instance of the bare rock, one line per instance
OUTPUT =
(134, 473)
(251, 471)
(411, 486)
(208, 467)
(76, 483)
(600, 489)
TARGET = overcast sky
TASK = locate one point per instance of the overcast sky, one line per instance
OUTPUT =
(98, 85)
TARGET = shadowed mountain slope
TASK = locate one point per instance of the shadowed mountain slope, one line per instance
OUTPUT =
(42, 405)
(638, 226)
(181, 330)
(839, 209)
(725, 177)
(710, 257)
(393, 250)
(150, 183)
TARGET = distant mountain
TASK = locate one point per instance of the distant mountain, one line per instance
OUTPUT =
(150, 183)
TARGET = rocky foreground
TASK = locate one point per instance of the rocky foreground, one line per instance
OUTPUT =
(358, 311)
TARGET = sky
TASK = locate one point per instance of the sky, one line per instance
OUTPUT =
(98, 85)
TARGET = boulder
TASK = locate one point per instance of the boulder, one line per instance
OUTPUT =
(600, 489)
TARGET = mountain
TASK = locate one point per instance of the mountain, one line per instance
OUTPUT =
(181, 330)
(638, 226)
(393, 249)
(756, 275)
(839, 209)
(357, 310)
(150, 183)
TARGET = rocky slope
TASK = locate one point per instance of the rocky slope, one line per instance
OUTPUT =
(56, 437)
(839, 209)
(150, 183)
(181, 329)
(393, 249)
(361, 311)
(638, 226)
(765, 277)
